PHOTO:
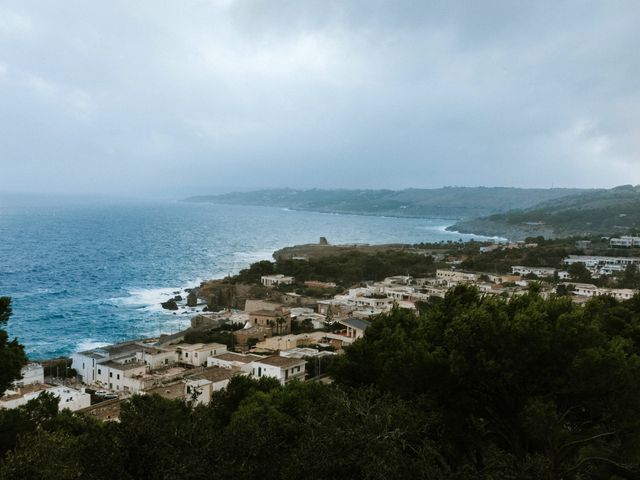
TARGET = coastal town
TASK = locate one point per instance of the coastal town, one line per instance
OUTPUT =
(289, 336)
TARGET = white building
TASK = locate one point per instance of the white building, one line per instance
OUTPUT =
(537, 271)
(196, 354)
(355, 327)
(302, 352)
(432, 291)
(85, 363)
(283, 369)
(284, 342)
(125, 377)
(68, 398)
(453, 277)
(600, 265)
(275, 280)
(124, 366)
(625, 242)
(155, 357)
(232, 360)
(198, 390)
(590, 290)
(32, 373)
(398, 280)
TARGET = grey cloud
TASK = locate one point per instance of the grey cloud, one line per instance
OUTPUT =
(199, 96)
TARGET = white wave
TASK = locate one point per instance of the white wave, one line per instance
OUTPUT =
(89, 344)
(254, 256)
(149, 299)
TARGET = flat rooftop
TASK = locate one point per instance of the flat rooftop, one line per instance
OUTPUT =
(216, 374)
(174, 391)
(237, 357)
(278, 361)
(20, 392)
(355, 323)
(122, 366)
(199, 346)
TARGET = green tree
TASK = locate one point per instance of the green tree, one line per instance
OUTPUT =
(630, 277)
(526, 378)
(579, 272)
(12, 356)
(43, 456)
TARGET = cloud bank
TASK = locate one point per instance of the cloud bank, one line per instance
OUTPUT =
(204, 96)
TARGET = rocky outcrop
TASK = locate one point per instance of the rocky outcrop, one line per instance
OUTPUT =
(220, 295)
(170, 304)
(192, 299)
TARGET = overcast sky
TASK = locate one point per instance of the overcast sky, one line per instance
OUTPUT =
(196, 96)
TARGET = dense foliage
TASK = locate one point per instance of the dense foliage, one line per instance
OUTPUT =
(344, 269)
(544, 386)
(501, 261)
(474, 388)
(12, 356)
(596, 212)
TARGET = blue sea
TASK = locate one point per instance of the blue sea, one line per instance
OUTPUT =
(84, 272)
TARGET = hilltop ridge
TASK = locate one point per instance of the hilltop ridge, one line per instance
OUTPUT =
(595, 212)
(446, 202)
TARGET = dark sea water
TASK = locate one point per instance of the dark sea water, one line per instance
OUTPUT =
(84, 272)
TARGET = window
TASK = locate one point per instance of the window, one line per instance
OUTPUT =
(99, 372)
(196, 354)
(286, 374)
(186, 354)
(118, 376)
(110, 374)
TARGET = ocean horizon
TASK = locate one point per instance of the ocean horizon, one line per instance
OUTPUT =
(92, 271)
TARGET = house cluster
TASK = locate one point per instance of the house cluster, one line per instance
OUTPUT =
(540, 272)
(625, 242)
(584, 291)
(192, 372)
(32, 384)
(602, 265)
(141, 365)
(374, 299)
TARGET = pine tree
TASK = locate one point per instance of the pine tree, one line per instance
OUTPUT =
(12, 356)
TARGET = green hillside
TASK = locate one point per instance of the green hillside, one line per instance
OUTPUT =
(597, 212)
(447, 202)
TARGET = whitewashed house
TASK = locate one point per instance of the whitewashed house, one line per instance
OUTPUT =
(275, 280)
(231, 360)
(32, 373)
(196, 354)
(355, 327)
(68, 398)
(282, 369)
